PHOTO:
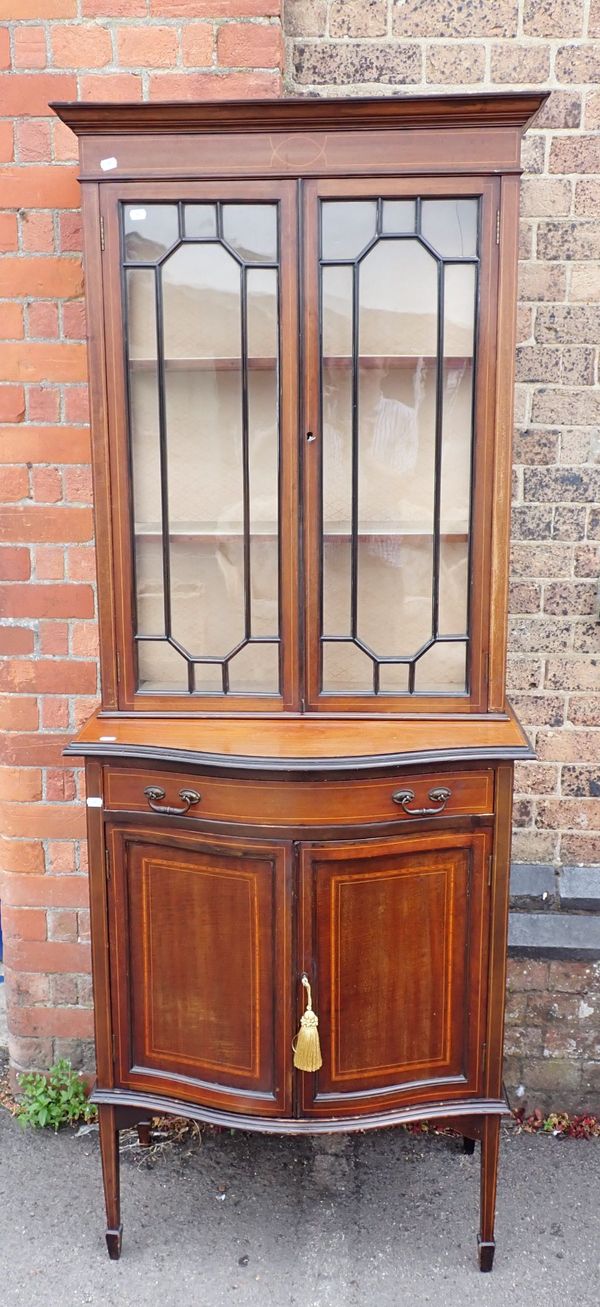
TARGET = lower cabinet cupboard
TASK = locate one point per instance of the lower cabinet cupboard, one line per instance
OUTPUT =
(205, 928)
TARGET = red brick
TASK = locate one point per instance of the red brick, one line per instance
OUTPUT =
(12, 403)
(43, 820)
(81, 563)
(213, 8)
(55, 713)
(11, 321)
(60, 785)
(78, 46)
(23, 750)
(29, 46)
(4, 48)
(15, 564)
(55, 444)
(14, 484)
(70, 232)
(111, 86)
(249, 45)
(65, 148)
(41, 278)
(30, 94)
(212, 86)
(197, 42)
(38, 9)
(40, 523)
(84, 640)
(149, 47)
(74, 320)
(16, 640)
(26, 924)
(49, 600)
(43, 319)
(46, 485)
(58, 1022)
(43, 403)
(37, 361)
(49, 956)
(62, 924)
(82, 710)
(61, 857)
(20, 857)
(7, 142)
(78, 485)
(48, 676)
(54, 637)
(32, 140)
(49, 566)
(47, 891)
(77, 404)
(27, 990)
(22, 783)
(37, 233)
(113, 8)
(18, 714)
(9, 236)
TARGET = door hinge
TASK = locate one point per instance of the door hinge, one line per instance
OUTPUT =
(114, 1048)
(101, 232)
(497, 227)
(483, 1058)
(490, 865)
(107, 863)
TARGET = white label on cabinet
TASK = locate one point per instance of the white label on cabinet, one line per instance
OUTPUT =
(108, 164)
(94, 802)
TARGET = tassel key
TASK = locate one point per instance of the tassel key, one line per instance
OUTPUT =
(307, 1047)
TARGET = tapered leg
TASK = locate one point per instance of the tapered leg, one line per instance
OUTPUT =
(143, 1130)
(468, 1145)
(490, 1140)
(109, 1150)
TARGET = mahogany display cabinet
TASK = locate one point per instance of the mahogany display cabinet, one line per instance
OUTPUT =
(301, 337)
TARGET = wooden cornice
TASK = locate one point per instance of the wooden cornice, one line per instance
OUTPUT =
(512, 109)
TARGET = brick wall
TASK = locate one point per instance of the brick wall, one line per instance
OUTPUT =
(55, 50)
(552, 1044)
(341, 47)
(103, 49)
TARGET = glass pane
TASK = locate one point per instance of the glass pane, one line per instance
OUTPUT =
(150, 230)
(255, 670)
(346, 227)
(395, 570)
(200, 220)
(251, 230)
(161, 669)
(346, 669)
(451, 226)
(442, 670)
(398, 215)
(205, 442)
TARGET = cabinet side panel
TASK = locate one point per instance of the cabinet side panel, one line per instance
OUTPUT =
(94, 305)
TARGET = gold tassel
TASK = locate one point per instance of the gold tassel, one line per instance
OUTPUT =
(306, 1046)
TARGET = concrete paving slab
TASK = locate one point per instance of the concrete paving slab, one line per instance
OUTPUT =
(380, 1220)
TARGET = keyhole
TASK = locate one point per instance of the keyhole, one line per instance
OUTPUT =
(310, 436)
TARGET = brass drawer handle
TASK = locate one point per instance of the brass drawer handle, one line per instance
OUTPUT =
(154, 796)
(439, 796)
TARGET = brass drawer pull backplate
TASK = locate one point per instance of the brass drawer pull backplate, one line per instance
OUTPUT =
(155, 795)
(439, 796)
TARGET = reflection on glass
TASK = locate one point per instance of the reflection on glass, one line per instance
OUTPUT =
(200, 220)
(149, 231)
(451, 226)
(205, 454)
(346, 227)
(251, 230)
(384, 540)
(255, 670)
(443, 669)
(346, 669)
(398, 215)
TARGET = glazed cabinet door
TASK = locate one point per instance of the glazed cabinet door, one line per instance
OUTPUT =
(200, 941)
(399, 394)
(200, 296)
(393, 941)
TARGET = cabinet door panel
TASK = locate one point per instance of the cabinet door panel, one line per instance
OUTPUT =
(200, 930)
(396, 932)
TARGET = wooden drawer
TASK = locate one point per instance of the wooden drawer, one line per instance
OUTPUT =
(302, 803)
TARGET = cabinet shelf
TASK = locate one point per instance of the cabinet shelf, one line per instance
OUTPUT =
(259, 363)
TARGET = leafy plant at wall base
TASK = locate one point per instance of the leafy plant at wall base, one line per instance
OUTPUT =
(56, 1099)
